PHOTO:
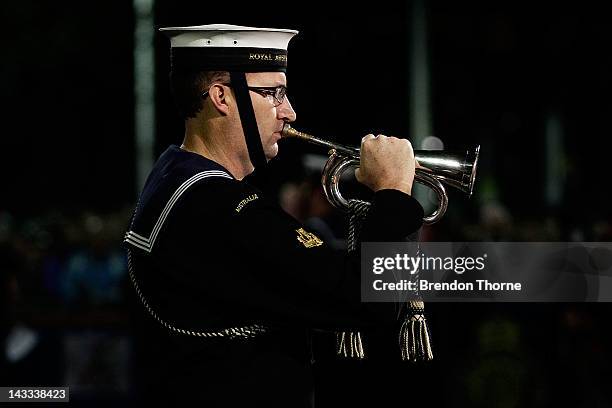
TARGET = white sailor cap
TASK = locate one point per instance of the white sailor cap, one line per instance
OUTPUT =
(223, 47)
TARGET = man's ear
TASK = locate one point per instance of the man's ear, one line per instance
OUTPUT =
(220, 97)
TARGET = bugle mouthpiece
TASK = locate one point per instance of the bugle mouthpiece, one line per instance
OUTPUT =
(288, 131)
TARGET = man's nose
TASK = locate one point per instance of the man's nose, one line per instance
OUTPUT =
(285, 111)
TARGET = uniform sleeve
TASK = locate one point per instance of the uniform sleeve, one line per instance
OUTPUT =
(394, 215)
(269, 268)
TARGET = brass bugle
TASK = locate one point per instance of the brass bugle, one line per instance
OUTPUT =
(436, 169)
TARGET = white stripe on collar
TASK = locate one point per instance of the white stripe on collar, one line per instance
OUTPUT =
(146, 244)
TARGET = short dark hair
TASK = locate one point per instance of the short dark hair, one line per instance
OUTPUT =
(187, 88)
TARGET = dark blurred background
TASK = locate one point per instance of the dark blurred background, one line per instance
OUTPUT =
(87, 108)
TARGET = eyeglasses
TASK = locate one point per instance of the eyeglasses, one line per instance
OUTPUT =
(276, 94)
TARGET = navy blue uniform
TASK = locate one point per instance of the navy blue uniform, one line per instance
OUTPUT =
(232, 285)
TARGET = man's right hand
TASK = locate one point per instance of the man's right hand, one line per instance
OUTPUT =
(386, 163)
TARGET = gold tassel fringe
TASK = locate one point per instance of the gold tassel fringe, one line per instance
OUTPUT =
(414, 341)
(349, 345)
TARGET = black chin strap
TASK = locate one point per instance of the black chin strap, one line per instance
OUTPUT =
(247, 118)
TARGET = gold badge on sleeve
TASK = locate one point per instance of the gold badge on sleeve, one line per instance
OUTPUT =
(308, 239)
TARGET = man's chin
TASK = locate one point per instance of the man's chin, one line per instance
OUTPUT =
(272, 152)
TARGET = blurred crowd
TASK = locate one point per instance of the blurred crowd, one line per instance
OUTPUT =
(65, 294)
(58, 260)
(63, 315)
